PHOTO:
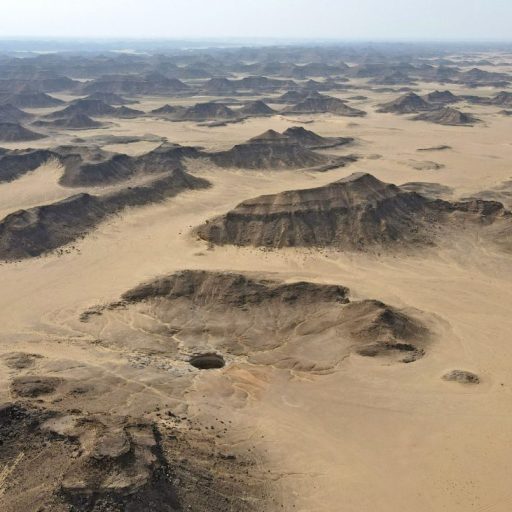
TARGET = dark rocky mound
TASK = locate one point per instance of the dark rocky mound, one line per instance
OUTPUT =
(74, 121)
(406, 104)
(272, 150)
(262, 84)
(478, 78)
(507, 113)
(296, 96)
(107, 463)
(20, 360)
(133, 85)
(441, 97)
(128, 113)
(312, 140)
(441, 147)
(94, 108)
(219, 87)
(15, 163)
(31, 99)
(210, 111)
(367, 327)
(14, 132)
(11, 114)
(358, 212)
(92, 166)
(32, 232)
(235, 290)
(434, 190)
(447, 116)
(164, 110)
(321, 105)
(462, 376)
(110, 98)
(256, 108)
(393, 78)
(503, 99)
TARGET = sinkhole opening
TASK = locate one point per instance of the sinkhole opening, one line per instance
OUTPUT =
(207, 361)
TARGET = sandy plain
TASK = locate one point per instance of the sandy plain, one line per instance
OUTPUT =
(367, 435)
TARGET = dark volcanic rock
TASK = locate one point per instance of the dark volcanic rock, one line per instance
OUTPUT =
(357, 212)
(296, 96)
(92, 166)
(33, 386)
(31, 99)
(256, 108)
(28, 233)
(447, 116)
(219, 86)
(110, 98)
(132, 85)
(323, 104)
(462, 376)
(406, 104)
(11, 114)
(204, 112)
(17, 162)
(94, 108)
(233, 289)
(165, 110)
(73, 121)
(312, 140)
(243, 301)
(441, 97)
(272, 150)
(14, 132)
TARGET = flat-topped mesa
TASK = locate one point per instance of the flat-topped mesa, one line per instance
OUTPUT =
(94, 108)
(72, 121)
(110, 98)
(405, 104)
(354, 213)
(92, 166)
(203, 287)
(447, 116)
(32, 232)
(321, 105)
(273, 150)
(296, 96)
(131, 85)
(210, 111)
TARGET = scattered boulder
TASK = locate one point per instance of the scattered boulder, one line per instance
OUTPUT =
(462, 376)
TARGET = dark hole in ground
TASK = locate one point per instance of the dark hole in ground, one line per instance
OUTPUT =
(207, 361)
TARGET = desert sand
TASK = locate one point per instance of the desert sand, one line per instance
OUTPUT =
(354, 433)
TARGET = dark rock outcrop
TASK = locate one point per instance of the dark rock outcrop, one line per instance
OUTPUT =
(355, 213)
(447, 116)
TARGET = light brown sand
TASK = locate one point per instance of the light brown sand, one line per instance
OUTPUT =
(370, 436)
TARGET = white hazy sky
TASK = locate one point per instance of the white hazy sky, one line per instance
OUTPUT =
(339, 19)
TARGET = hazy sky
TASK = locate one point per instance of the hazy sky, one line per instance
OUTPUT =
(339, 19)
